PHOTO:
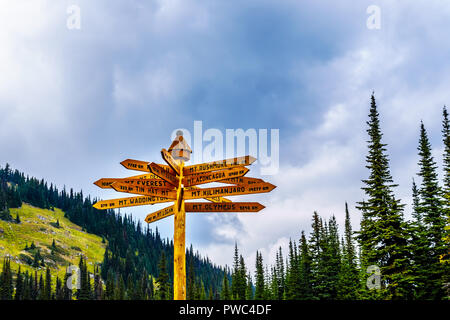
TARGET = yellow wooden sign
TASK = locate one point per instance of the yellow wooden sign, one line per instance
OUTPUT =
(223, 207)
(170, 161)
(161, 172)
(217, 165)
(160, 214)
(241, 180)
(137, 165)
(155, 183)
(229, 190)
(206, 207)
(207, 177)
(129, 202)
(176, 183)
(147, 191)
(105, 183)
(212, 199)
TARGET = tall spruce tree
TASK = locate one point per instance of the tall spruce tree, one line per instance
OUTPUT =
(382, 236)
(445, 257)
(163, 279)
(348, 276)
(431, 208)
(259, 276)
(306, 290)
(225, 294)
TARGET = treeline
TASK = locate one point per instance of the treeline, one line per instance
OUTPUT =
(389, 258)
(132, 251)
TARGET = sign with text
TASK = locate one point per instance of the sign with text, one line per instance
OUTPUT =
(218, 165)
(148, 191)
(207, 177)
(229, 191)
(129, 202)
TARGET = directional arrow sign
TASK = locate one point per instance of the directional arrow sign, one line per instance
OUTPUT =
(207, 177)
(161, 172)
(212, 199)
(154, 183)
(229, 191)
(217, 165)
(170, 160)
(206, 207)
(105, 183)
(147, 191)
(137, 165)
(242, 180)
(223, 207)
(160, 214)
(129, 202)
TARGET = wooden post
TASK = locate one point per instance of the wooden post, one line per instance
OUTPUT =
(179, 239)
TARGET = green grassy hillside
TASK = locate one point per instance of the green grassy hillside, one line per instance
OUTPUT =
(39, 226)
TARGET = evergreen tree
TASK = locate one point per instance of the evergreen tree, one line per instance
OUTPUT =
(306, 290)
(190, 288)
(84, 293)
(6, 280)
(249, 289)
(431, 209)
(259, 276)
(292, 274)
(19, 295)
(235, 274)
(119, 292)
(348, 276)
(225, 294)
(382, 236)
(163, 279)
(48, 285)
(59, 292)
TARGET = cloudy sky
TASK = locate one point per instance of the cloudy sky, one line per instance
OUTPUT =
(75, 102)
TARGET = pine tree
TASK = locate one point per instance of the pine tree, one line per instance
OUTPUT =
(119, 292)
(163, 279)
(6, 281)
(47, 285)
(306, 290)
(84, 293)
(259, 276)
(348, 276)
(445, 257)
(431, 209)
(280, 275)
(19, 286)
(41, 288)
(242, 284)
(249, 288)
(225, 294)
(292, 274)
(235, 274)
(59, 292)
(109, 292)
(382, 236)
(190, 287)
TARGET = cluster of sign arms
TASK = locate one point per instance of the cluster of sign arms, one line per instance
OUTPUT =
(175, 182)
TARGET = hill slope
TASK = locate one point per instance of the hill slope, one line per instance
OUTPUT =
(39, 226)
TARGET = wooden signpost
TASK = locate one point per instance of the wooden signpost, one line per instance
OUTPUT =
(176, 183)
